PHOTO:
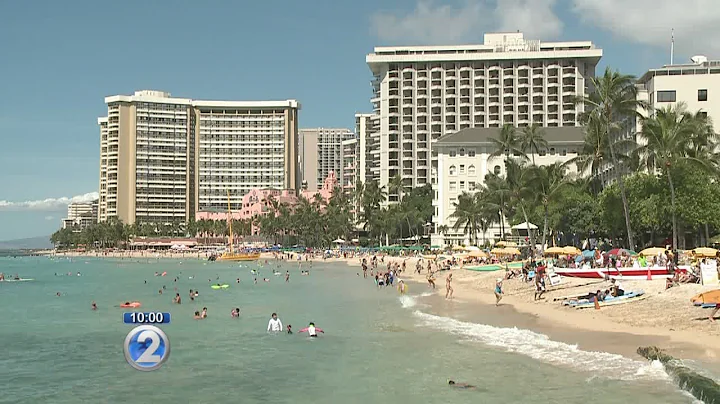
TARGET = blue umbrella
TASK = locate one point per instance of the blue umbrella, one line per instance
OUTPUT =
(588, 253)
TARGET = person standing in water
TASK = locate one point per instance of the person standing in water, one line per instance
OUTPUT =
(448, 287)
(287, 276)
(274, 325)
(402, 287)
(289, 329)
(498, 291)
(312, 330)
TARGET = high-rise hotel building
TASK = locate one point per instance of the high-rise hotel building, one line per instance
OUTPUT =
(423, 92)
(164, 158)
(321, 152)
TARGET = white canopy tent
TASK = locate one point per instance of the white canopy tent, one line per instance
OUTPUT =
(525, 226)
(339, 241)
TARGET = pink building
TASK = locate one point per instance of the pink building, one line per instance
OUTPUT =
(256, 202)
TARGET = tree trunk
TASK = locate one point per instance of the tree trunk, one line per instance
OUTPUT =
(502, 224)
(672, 202)
(707, 235)
(545, 225)
(530, 234)
(623, 196)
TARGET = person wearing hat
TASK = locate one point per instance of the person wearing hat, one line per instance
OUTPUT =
(498, 291)
(312, 330)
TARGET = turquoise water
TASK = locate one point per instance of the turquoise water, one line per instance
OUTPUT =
(377, 347)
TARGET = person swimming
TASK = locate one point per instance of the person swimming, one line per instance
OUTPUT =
(197, 316)
(312, 330)
(204, 312)
(460, 385)
(289, 329)
(235, 312)
(93, 305)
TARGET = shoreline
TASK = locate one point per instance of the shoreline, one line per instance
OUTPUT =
(665, 319)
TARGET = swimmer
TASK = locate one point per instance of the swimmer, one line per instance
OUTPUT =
(78, 274)
(204, 312)
(160, 291)
(460, 385)
(255, 281)
(237, 280)
(287, 276)
(312, 330)
(93, 305)
(274, 325)
(235, 312)
(197, 316)
(177, 299)
(266, 280)
(289, 329)
(402, 287)
(192, 295)
(57, 294)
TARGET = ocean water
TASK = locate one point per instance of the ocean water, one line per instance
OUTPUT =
(379, 347)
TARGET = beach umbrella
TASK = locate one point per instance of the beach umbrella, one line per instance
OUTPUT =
(497, 250)
(510, 251)
(478, 254)
(500, 244)
(472, 248)
(705, 252)
(570, 250)
(588, 253)
(616, 252)
(649, 252)
(554, 251)
(339, 241)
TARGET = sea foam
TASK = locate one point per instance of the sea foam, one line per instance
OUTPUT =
(540, 347)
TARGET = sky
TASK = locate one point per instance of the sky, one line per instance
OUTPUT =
(59, 59)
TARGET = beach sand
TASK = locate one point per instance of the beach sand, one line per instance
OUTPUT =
(665, 319)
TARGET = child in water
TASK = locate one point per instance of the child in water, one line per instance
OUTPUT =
(289, 329)
(197, 316)
(235, 312)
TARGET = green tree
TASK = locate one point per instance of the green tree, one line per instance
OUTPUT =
(532, 140)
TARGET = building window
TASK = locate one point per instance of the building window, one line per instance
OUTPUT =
(471, 185)
(462, 169)
(453, 153)
(452, 170)
(471, 153)
(471, 170)
(462, 152)
(702, 95)
(666, 96)
(462, 185)
(497, 170)
(552, 151)
(563, 152)
(453, 186)
(703, 114)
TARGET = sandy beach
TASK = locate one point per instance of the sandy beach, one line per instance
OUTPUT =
(666, 318)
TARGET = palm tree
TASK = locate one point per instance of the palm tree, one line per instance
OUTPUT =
(668, 140)
(517, 177)
(466, 215)
(614, 101)
(533, 140)
(395, 186)
(498, 195)
(508, 144)
(548, 181)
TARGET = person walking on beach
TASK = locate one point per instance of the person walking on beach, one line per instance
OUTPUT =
(431, 279)
(448, 287)
(711, 317)
(498, 291)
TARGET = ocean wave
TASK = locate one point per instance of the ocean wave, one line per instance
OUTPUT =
(540, 347)
(409, 301)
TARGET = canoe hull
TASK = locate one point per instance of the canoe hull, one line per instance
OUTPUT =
(625, 273)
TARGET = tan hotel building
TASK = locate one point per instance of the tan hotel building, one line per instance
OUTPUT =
(164, 158)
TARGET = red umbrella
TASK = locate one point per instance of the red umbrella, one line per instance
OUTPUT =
(616, 252)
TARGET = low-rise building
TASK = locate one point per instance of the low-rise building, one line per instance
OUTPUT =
(463, 162)
(81, 215)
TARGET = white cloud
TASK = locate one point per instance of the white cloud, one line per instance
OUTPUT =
(649, 22)
(45, 205)
(48, 218)
(432, 23)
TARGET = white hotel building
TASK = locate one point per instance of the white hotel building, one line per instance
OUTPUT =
(424, 92)
(464, 161)
(164, 158)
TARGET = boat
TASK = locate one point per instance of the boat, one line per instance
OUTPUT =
(231, 255)
(495, 267)
(580, 302)
(624, 273)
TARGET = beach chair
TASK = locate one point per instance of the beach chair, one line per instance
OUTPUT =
(553, 277)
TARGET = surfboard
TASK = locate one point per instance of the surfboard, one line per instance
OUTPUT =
(18, 280)
(220, 286)
(712, 296)
(613, 303)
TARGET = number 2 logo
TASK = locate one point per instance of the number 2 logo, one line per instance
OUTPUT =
(146, 348)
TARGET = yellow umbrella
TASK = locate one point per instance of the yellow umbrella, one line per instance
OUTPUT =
(458, 248)
(497, 250)
(649, 252)
(478, 254)
(571, 250)
(510, 251)
(554, 251)
(705, 252)
(500, 244)
(511, 244)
